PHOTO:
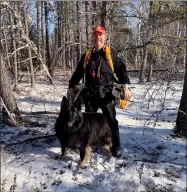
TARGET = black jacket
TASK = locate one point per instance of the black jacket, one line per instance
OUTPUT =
(98, 72)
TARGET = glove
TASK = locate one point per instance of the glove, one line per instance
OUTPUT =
(126, 96)
(70, 94)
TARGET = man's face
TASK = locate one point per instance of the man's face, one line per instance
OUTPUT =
(99, 40)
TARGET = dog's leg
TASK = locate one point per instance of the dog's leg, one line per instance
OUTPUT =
(84, 155)
(108, 150)
(63, 148)
(108, 146)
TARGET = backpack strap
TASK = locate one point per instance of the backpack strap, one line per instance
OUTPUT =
(87, 57)
(108, 56)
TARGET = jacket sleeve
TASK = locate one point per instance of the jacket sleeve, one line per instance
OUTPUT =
(120, 69)
(78, 73)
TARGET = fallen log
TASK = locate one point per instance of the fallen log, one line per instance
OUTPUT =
(30, 140)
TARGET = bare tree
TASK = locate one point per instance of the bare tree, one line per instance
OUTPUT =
(7, 100)
(70, 34)
(38, 7)
(181, 122)
(29, 49)
(13, 39)
(48, 56)
(103, 13)
(88, 21)
(94, 4)
(6, 93)
(43, 32)
(143, 66)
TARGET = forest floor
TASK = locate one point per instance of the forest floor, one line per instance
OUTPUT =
(151, 158)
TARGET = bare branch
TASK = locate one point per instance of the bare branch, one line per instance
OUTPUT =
(9, 114)
(28, 41)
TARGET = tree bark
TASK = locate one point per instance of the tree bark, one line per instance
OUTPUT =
(13, 49)
(48, 57)
(6, 91)
(152, 31)
(38, 6)
(143, 67)
(6, 47)
(93, 10)
(87, 3)
(150, 73)
(181, 122)
(43, 32)
(29, 49)
(78, 31)
(103, 13)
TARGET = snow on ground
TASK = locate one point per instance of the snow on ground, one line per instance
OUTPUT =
(150, 160)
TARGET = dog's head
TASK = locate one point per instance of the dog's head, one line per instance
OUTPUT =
(71, 112)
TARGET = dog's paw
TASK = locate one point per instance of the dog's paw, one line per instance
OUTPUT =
(109, 154)
(58, 157)
(62, 156)
(83, 166)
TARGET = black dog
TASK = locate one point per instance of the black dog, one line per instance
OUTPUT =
(82, 131)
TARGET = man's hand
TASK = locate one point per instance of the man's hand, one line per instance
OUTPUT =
(126, 94)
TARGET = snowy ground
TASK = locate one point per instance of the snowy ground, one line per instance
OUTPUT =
(151, 159)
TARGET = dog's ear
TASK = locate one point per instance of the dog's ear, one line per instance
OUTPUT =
(77, 104)
(64, 101)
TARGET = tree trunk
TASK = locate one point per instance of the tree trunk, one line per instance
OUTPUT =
(6, 92)
(138, 42)
(103, 13)
(38, 6)
(150, 73)
(29, 49)
(63, 34)
(14, 56)
(42, 31)
(143, 67)
(151, 31)
(93, 10)
(136, 59)
(181, 122)
(6, 47)
(78, 31)
(59, 32)
(48, 58)
(87, 6)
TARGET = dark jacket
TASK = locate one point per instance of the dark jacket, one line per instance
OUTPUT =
(98, 72)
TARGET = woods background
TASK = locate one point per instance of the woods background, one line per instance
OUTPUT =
(52, 35)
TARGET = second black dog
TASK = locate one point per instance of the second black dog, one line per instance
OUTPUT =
(82, 131)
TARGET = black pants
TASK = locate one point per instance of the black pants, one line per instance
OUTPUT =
(94, 102)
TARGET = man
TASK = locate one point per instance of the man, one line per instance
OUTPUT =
(98, 65)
